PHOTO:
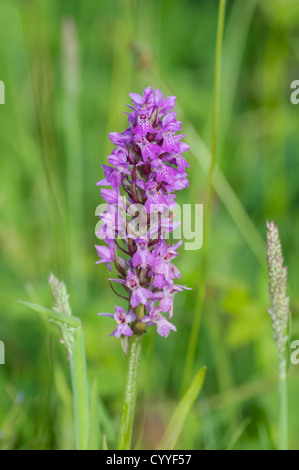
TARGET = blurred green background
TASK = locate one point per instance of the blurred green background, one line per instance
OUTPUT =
(68, 68)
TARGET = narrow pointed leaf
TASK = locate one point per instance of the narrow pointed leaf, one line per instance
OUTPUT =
(51, 314)
(80, 392)
(179, 416)
(105, 445)
(95, 437)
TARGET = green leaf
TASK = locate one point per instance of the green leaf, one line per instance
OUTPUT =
(95, 438)
(80, 392)
(241, 429)
(179, 416)
(105, 445)
(78, 372)
(106, 422)
(53, 315)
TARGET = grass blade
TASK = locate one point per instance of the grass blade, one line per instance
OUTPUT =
(105, 445)
(95, 437)
(52, 315)
(80, 392)
(78, 371)
(238, 433)
(179, 416)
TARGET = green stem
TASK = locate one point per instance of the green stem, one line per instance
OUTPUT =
(71, 133)
(283, 407)
(215, 113)
(130, 391)
(80, 392)
(209, 195)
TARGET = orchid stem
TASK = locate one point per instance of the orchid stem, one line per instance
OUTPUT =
(130, 389)
(283, 407)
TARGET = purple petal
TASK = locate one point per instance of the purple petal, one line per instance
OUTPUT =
(131, 316)
(122, 329)
(164, 327)
(137, 99)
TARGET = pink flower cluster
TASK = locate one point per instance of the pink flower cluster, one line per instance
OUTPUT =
(148, 168)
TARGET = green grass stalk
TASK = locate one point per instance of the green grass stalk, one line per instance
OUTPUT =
(73, 339)
(283, 405)
(80, 392)
(209, 195)
(280, 315)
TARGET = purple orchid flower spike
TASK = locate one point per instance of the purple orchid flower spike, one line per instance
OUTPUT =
(167, 296)
(138, 294)
(122, 319)
(148, 167)
(156, 318)
(142, 257)
(106, 253)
